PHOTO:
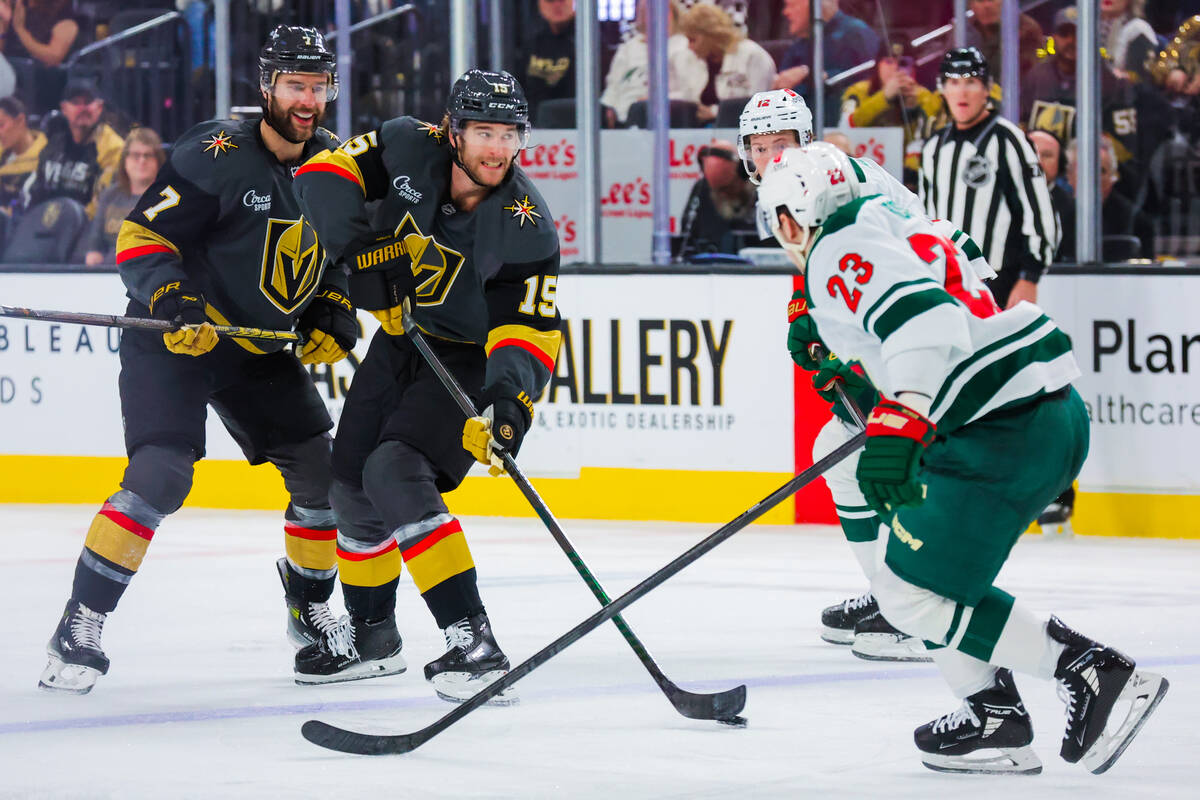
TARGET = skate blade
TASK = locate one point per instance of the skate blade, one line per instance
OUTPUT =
(379, 668)
(64, 678)
(1001, 761)
(885, 647)
(837, 635)
(1143, 691)
(458, 687)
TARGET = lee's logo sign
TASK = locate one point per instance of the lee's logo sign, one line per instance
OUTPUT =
(559, 154)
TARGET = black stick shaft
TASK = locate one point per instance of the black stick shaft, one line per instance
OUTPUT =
(363, 743)
(140, 323)
(719, 706)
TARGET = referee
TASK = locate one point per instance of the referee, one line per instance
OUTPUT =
(981, 173)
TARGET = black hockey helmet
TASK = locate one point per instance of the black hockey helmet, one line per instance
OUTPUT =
(964, 62)
(293, 48)
(486, 96)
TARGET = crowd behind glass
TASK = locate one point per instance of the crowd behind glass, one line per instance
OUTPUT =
(83, 118)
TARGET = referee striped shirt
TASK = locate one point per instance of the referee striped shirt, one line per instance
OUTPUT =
(987, 180)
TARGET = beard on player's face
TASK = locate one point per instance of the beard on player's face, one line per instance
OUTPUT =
(296, 122)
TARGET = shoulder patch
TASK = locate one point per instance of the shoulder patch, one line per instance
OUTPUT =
(218, 143)
(523, 211)
(431, 129)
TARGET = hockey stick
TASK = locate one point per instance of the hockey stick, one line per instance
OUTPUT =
(722, 706)
(141, 323)
(333, 738)
(818, 353)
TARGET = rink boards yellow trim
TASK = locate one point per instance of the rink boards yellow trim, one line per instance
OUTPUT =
(598, 493)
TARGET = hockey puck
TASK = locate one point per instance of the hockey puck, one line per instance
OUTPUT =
(734, 722)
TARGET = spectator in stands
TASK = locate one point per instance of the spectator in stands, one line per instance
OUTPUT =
(847, 42)
(141, 158)
(720, 63)
(984, 33)
(1133, 115)
(546, 69)
(1173, 69)
(1118, 216)
(839, 140)
(721, 203)
(1127, 37)
(44, 31)
(79, 151)
(628, 79)
(1053, 160)
(892, 97)
(19, 149)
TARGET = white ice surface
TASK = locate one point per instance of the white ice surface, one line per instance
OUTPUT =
(200, 702)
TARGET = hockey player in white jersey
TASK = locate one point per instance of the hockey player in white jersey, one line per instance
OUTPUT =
(770, 123)
(977, 429)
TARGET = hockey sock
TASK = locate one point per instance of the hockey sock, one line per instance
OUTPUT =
(441, 566)
(370, 574)
(965, 674)
(1025, 646)
(867, 554)
(114, 548)
(310, 542)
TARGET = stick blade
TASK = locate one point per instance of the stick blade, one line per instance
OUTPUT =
(364, 744)
(719, 706)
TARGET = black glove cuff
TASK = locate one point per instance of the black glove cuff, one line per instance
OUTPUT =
(377, 291)
(176, 301)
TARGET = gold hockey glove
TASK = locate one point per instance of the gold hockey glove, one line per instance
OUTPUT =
(501, 427)
(331, 326)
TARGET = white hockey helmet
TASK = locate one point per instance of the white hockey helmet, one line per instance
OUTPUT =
(833, 160)
(772, 112)
(810, 184)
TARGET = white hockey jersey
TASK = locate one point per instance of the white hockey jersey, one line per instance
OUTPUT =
(882, 282)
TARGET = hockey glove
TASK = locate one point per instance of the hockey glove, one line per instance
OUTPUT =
(329, 325)
(178, 303)
(381, 279)
(802, 332)
(833, 371)
(887, 469)
(504, 422)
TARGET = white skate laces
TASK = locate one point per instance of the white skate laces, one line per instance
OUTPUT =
(322, 618)
(86, 626)
(341, 638)
(955, 719)
(855, 603)
(459, 635)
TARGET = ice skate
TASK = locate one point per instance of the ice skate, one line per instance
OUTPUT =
(351, 650)
(990, 734)
(307, 621)
(875, 639)
(1095, 681)
(472, 661)
(1056, 520)
(76, 660)
(837, 622)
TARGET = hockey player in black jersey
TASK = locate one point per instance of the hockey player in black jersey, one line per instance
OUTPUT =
(219, 238)
(462, 235)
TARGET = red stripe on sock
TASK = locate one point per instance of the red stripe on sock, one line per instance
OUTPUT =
(125, 522)
(391, 545)
(312, 534)
(433, 538)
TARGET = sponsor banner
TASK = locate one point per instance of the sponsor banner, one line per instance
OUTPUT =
(1137, 340)
(656, 372)
(626, 181)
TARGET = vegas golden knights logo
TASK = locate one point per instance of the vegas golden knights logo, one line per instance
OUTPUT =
(291, 266)
(1054, 118)
(434, 266)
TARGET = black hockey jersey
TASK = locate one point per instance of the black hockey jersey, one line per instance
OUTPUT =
(486, 277)
(222, 216)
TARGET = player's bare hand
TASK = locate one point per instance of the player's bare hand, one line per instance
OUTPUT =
(1022, 290)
